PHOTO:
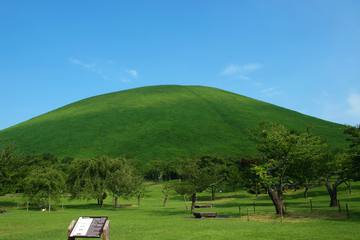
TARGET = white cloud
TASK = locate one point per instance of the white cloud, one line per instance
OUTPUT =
(353, 101)
(133, 73)
(345, 109)
(92, 67)
(270, 92)
(76, 61)
(106, 69)
(241, 70)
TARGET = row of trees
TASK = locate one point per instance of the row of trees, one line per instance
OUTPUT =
(45, 179)
(286, 160)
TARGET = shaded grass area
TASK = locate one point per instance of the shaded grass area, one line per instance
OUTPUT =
(152, 221)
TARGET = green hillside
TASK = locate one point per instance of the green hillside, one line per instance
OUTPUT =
(158, 122)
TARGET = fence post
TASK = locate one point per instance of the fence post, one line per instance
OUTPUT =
(347, 210)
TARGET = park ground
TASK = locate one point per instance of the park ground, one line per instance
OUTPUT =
(152, 221)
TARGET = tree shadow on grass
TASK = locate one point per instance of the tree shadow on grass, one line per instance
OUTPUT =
(242, 205)
(167, 212)
(8, 204)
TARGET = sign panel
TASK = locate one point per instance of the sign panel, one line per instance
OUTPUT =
(88, 227)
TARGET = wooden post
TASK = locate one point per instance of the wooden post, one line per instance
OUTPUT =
(339, 206)
(27, 206)
(70, 228)
(247, 213)
(254, 205)
(186, 206)
(239, 211)
(347, 211)
(106, 231)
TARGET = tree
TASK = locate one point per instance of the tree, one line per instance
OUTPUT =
(335, 172)
(274, 143)
(165, 190)
(44, 185)
(244, 175)
(282, 153)
(123, 181)
(160, 170)
(309, 154)
(197, 175)
(8, 168)
(353, 137)
(87, 178)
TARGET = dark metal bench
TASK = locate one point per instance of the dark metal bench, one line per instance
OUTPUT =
(203, 205)
(205, 214)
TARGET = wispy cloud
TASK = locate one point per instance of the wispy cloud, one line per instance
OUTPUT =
(241, 70)
(132, 72)
(344, 110)
(106, 70)
(270, 92)
(92, 67)
(353, 101)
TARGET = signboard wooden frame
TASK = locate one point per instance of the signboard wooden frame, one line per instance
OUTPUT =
(89, 227)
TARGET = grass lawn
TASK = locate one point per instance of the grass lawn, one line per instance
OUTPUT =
(151, 221)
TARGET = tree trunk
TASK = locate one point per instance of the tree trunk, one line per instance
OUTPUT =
(332, 190)
(100, 201)
(276, 198)
(193, 201)
(138, 199)
(116, 201)
(165, 200)
(186, 207)
(256, 191)
(212, 193)
(306, 192)
(49, 203)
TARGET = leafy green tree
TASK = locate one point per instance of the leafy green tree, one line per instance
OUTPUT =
(165, 190)
(283, 157)
(88, 178)
(335, 172)
(123, 180)
(274, 143)
(243, 175)
(8, 166)
(197, 175)
(309, 153)
(160, 170)
(44, 185)
(353, 137)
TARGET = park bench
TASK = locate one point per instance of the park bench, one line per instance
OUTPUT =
(207, 205)
(205, 214)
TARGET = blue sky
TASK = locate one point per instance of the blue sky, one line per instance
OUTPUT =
(302, 55)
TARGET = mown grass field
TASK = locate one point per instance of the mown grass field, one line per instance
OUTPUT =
(159, 123)
(152, 221)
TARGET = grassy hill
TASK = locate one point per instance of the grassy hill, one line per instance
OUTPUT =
(158, 122)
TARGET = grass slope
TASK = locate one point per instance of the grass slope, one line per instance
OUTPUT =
(152, 221)
(158, 122)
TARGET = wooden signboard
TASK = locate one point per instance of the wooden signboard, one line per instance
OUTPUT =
(89, 227)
